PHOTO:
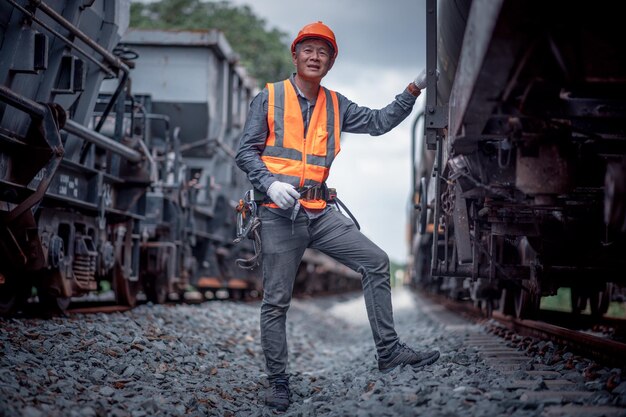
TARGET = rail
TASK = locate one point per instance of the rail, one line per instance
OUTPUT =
(602, 350)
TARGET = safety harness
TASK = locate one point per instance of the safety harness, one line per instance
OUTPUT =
(249, 224)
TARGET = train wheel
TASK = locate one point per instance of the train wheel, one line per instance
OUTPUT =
(507, 302)
(238, 294)
(527, 301)
(52, 303)
(13, 293)
(50, 298)
(125, 290)
(578, 299)
(599, 300)
(486, 307)
(527, 293)
(155, 287)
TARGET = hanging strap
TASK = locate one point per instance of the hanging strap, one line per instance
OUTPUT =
(254, 234)
(339, 202)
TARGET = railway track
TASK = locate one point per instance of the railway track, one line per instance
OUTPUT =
(98, 309)
(547, 368)
(573, 333)
(109, 306)
(599, 348)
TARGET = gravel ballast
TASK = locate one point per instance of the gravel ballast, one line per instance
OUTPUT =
(206, 360)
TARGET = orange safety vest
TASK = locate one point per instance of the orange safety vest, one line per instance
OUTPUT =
(292, 158)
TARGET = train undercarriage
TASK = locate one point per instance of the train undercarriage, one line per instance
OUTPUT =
(525, 194)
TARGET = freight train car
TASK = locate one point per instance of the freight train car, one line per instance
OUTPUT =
(526, 130)
(117, 174)
(190, 79)
(193, 99)
(96, 191)
(65, 225)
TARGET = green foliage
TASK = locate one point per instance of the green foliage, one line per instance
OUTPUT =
(559, 302)
(264, 52)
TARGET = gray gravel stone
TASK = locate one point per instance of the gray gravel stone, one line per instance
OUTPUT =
(206, 360)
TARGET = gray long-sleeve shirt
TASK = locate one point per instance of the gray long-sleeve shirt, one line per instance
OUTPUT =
(352, 118)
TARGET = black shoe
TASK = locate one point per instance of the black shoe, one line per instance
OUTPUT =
(404, 355)
(278, 397)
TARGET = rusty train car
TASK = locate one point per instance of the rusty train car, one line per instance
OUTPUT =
(117, 179)
(520, 176)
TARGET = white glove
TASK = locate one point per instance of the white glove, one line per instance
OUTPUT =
(283, 194)
(420, 80)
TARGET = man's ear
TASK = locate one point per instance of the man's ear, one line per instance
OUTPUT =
(293, 57)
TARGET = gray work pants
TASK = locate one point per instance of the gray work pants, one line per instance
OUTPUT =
(335, 235)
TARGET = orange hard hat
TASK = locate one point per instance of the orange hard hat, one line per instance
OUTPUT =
(316, 30)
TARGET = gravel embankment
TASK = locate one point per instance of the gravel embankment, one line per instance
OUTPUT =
(199, 360)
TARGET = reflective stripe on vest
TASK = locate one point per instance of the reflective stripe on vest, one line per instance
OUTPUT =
(288, 155)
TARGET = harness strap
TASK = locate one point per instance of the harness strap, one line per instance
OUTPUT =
(251, 230)
(338, 201)
(247, 207)
(255, 235)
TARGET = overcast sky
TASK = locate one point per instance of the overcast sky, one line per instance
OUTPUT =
(381, 49)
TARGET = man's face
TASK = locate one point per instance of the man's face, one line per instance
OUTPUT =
(313, 59)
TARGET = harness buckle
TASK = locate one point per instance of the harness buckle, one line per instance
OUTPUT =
(332, 194)
(315, 192)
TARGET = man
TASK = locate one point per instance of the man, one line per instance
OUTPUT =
(290, 139)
